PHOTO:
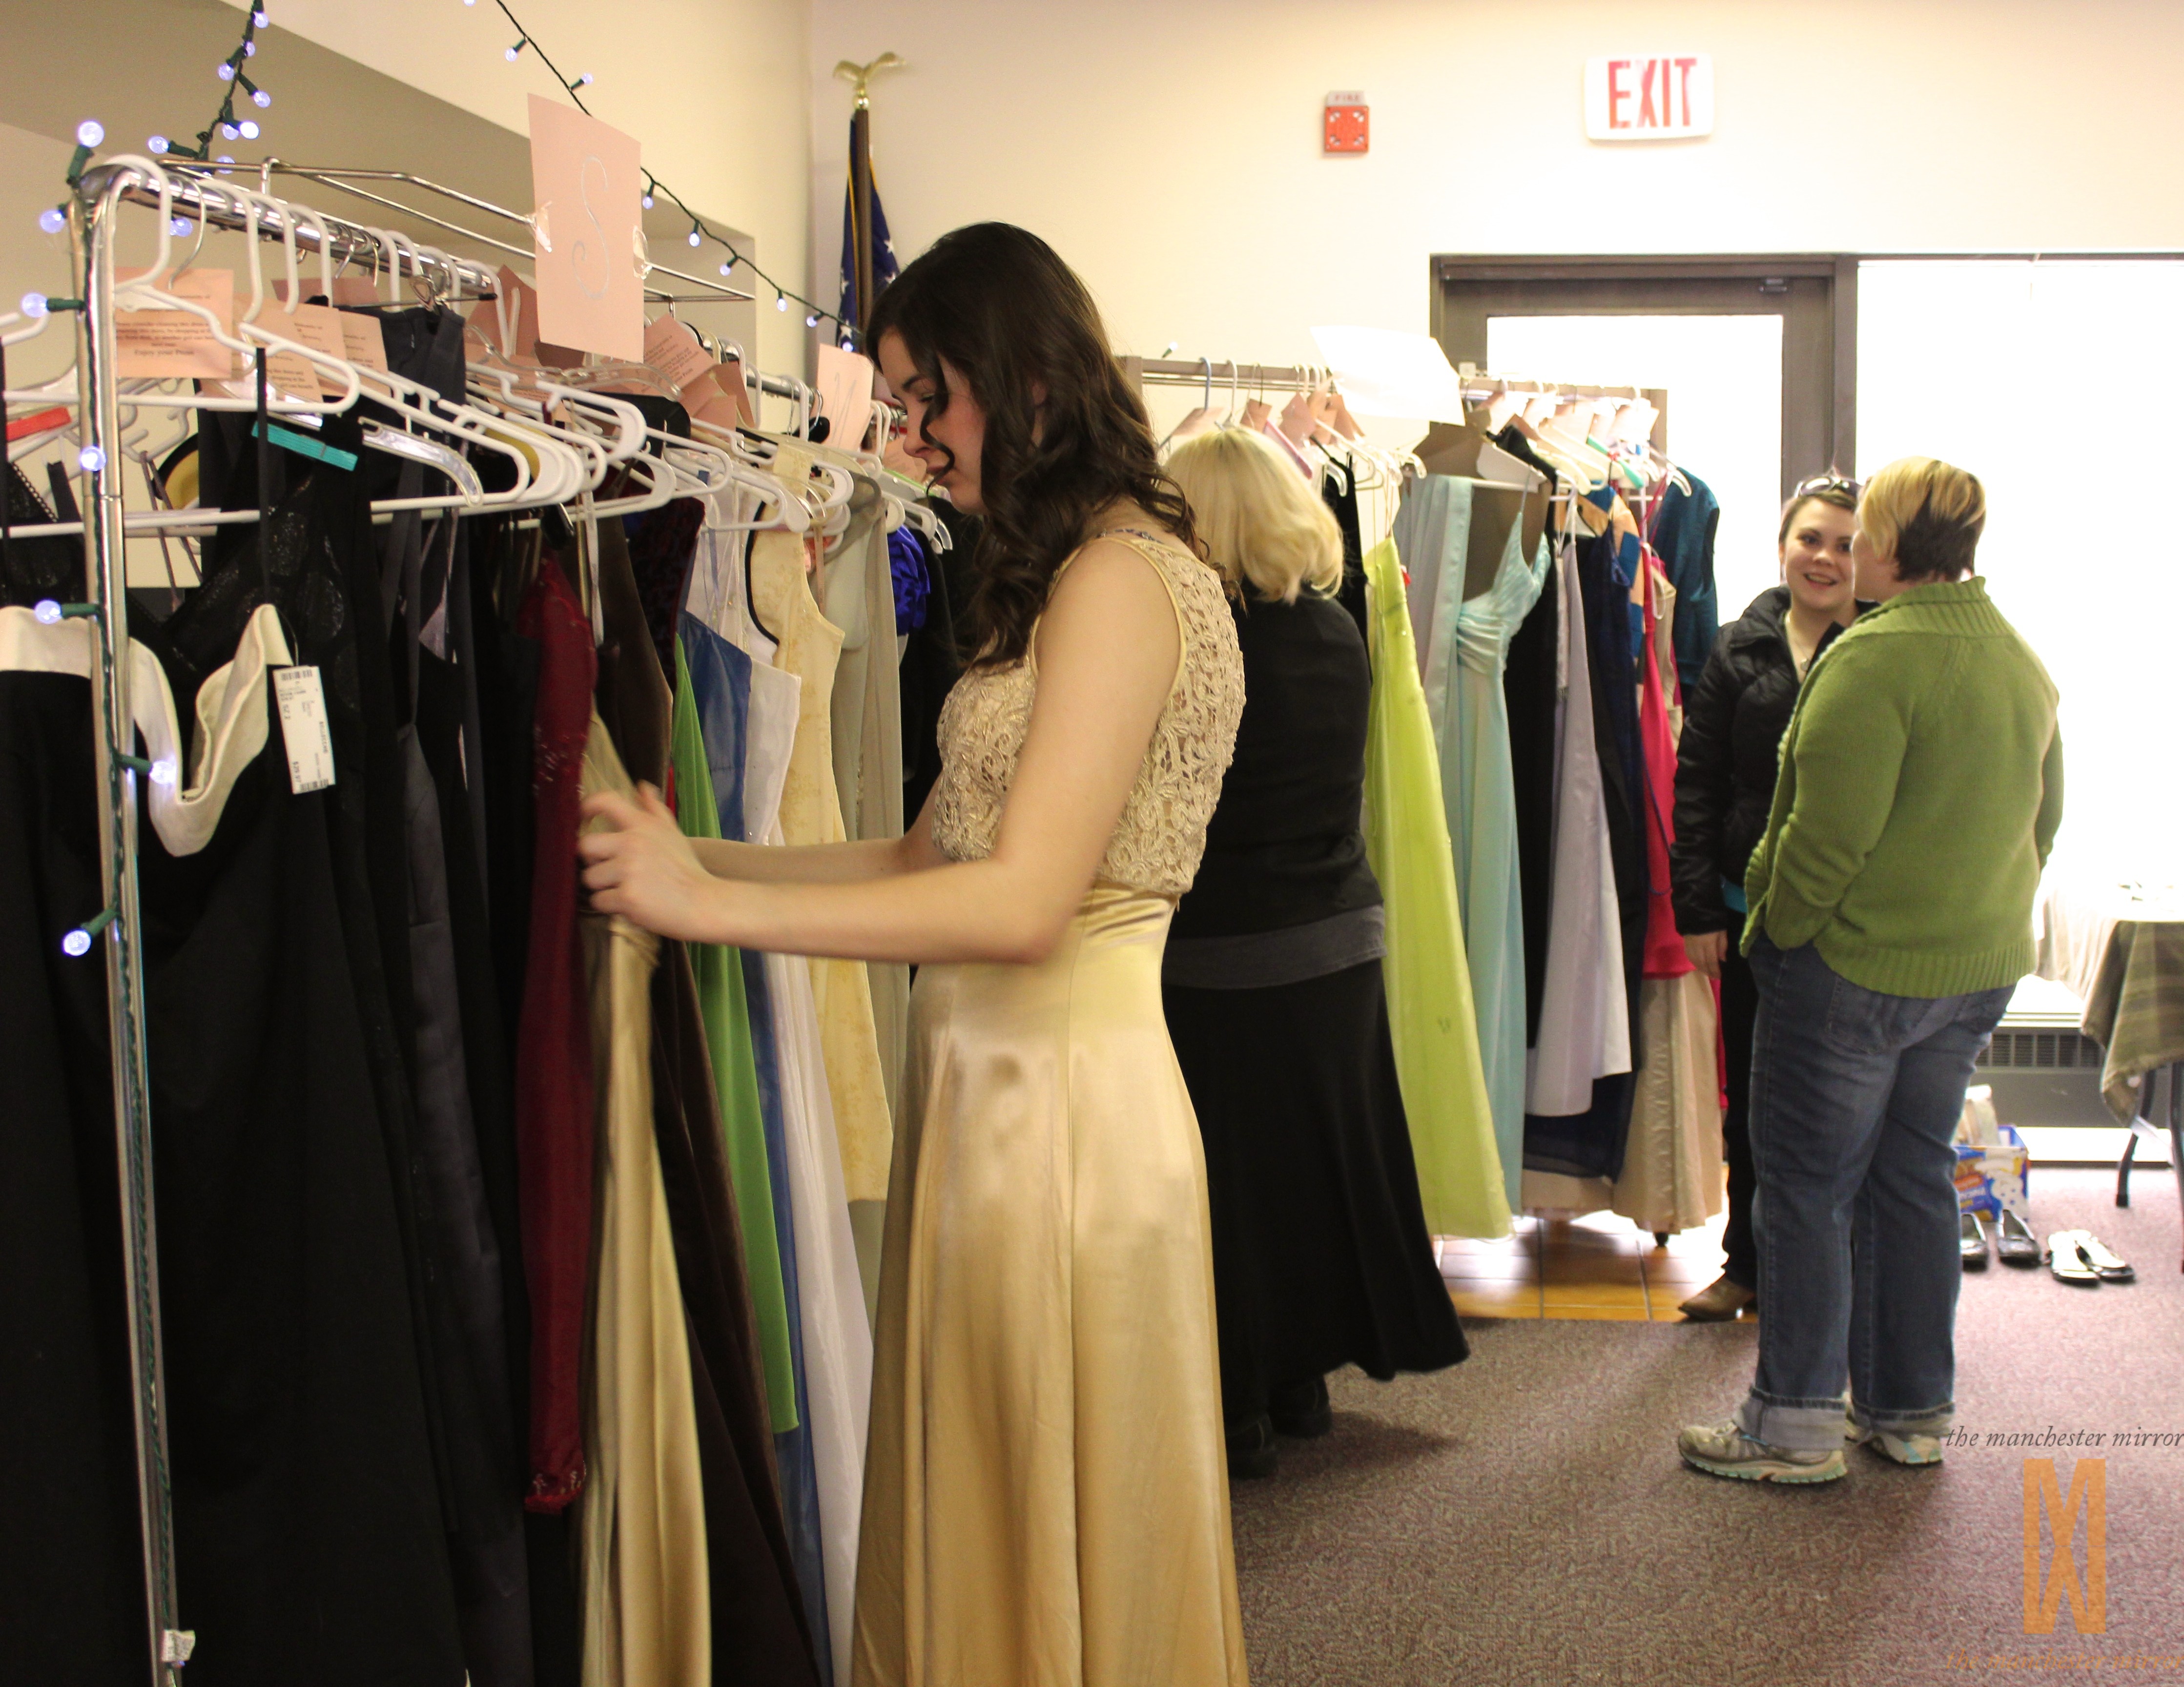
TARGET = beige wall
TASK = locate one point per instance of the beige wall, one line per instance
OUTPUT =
(716, 91)
(1170, 148)
(713, 89)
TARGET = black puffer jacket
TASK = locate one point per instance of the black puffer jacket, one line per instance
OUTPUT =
(1728, 757)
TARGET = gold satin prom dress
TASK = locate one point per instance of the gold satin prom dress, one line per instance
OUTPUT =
(1046, 1497)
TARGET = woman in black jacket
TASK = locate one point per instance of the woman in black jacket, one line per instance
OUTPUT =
(1726, 766)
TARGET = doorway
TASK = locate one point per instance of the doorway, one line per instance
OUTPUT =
(1759, 356)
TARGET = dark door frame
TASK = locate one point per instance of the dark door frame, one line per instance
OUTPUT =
(1839, 270)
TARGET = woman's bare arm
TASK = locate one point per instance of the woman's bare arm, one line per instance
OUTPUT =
(1107, 655)
(823, 863)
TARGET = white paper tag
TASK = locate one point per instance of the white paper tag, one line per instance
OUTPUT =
(310, 746)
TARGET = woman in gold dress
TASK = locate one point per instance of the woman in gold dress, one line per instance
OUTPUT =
(1046, 1501)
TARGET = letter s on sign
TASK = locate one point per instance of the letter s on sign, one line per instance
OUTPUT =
(587, 254)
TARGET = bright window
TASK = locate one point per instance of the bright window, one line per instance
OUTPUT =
(2052, 382)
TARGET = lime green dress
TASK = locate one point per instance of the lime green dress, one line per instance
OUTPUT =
(727, 1016)
(1430, 1012)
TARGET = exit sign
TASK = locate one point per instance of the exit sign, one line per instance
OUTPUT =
(1657, 97)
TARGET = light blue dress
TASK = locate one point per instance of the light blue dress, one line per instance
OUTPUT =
(1460, 660)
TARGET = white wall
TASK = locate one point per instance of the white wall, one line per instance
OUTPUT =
(1170, 151)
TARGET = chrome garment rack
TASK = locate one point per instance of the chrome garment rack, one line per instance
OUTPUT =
(1214, 374)
(93, 216)
(710, 291)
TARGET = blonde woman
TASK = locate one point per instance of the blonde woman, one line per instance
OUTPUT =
(1891, 900)
(1272, 982)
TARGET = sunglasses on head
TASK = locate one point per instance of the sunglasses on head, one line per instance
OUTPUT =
(1829, 482)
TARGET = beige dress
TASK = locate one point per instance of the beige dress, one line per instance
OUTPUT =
(646, 1611)
(811, 645)
(1046, 1498)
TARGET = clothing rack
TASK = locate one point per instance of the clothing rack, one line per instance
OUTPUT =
(787, 386)
(93, 219)
(1215, 373)
(1478, 386)
(345, 180)
(202, 194)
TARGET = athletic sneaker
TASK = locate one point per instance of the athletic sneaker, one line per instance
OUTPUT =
(1902, 1448)
(1724, 1450)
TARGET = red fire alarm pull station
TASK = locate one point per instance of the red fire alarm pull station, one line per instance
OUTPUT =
(1349, 124)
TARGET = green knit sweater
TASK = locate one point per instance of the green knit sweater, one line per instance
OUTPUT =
(1921, 785)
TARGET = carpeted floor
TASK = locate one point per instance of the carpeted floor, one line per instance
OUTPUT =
(1524, 1518)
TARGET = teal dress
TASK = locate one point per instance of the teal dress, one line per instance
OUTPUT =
(1461, 657)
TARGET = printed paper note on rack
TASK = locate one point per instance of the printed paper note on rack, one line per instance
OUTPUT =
(672, 349)
(587, 183)
(161, 342)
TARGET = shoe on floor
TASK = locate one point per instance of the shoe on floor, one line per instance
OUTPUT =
(1300, 1409)
(1898, 1449)
(2013, 1244)
(2109, 1266)
(1252, 1450)
(2065, 1264)
(1724, 1450)
(1972, 1241)
(1719, 1301)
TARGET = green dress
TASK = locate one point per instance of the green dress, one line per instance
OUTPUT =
(726, 1015)
(1431, 1014)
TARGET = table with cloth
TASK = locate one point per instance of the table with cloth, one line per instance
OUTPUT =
(2120, 948)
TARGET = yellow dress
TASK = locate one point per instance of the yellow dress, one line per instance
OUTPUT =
(811, 813)
(1046, 1497)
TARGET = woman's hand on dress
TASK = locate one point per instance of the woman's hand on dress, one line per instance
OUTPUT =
(644, 869)
(1706, 950)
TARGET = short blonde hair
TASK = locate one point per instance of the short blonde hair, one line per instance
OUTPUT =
(1927, 514)
(1257, 518)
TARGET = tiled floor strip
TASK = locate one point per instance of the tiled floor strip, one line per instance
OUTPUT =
(1599, 1267)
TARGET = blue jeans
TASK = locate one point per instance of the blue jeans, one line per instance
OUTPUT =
(1855, 1099)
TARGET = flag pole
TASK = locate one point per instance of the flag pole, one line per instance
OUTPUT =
(860, 188)
(860, 177)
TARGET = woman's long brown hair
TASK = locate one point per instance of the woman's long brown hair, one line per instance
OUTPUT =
(997, 306)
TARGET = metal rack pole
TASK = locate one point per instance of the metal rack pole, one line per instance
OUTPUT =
(113, 735)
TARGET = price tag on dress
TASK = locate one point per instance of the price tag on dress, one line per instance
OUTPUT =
(310, 746)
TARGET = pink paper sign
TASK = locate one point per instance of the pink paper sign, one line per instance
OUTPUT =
(586, 183)
(845, 396)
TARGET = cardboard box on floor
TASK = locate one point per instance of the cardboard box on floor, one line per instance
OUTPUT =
(1992, 1166)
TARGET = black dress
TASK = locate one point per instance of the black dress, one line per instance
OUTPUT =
(1273, 988)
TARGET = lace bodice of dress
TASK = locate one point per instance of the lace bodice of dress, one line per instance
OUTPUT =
(1156, 844)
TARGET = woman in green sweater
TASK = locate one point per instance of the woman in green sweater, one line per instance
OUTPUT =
(1891, 918)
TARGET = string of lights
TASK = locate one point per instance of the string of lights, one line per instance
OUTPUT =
(701, 232)
(226, 125)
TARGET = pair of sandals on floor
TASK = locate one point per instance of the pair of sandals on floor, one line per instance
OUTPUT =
(2080, 1257)
(2074, 1256)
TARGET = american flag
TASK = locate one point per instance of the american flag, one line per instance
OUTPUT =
(885, 268)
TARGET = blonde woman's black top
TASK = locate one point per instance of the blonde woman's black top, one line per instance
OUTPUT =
(1284, 891)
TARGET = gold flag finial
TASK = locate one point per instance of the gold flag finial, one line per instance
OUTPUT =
(861, 74)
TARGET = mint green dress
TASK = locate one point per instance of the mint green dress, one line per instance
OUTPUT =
(1465, 648)
(1431, 1015)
